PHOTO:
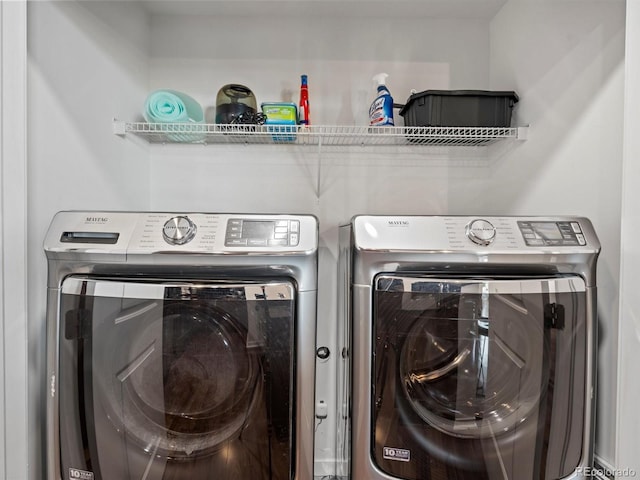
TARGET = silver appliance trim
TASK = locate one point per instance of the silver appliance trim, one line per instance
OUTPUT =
(485, 286)
(173, 290)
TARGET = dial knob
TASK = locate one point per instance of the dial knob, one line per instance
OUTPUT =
(481, 232)
(178, 230)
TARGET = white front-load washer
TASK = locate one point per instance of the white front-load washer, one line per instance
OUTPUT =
(181, 346)
(471, 344)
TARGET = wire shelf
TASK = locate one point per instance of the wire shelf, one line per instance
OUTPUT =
(316, 135)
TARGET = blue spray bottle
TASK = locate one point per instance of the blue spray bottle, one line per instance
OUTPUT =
(381, 111)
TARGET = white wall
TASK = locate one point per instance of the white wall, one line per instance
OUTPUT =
(629, 357)
(566, 60)
(14, 449)
(87, 64)
(91, 61)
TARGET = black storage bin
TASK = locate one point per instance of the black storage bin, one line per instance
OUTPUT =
(459, 108)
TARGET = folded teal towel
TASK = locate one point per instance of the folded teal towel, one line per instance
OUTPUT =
(171, 106)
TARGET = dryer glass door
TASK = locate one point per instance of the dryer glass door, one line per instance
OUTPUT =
(479, 379)
(176, 380)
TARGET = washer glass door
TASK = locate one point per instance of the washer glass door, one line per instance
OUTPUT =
(176, 380)
(479, 378)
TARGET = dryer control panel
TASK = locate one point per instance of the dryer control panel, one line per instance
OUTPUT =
(476, 235)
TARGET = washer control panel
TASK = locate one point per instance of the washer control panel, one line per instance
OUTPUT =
(134, 233)
(480, 231)
(550, 233)
(178, 230)
(244, 232)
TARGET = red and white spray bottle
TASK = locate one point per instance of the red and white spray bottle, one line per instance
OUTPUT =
(303, 106)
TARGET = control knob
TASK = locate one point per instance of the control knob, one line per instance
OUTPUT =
(178, 230)
(481, 232)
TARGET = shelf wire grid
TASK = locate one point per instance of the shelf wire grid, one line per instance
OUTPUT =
(314, 135)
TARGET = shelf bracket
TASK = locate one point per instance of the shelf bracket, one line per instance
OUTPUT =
(319, 170)
(119, 127)
(522, 133)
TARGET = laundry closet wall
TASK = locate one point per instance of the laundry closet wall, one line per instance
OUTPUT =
(92, 61)
(87, 62)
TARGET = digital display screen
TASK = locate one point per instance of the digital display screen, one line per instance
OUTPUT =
(257, 229)
(550, 233)
(547, 230)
